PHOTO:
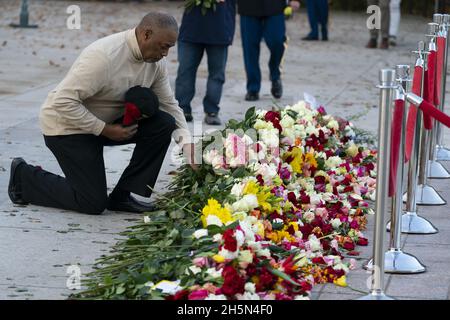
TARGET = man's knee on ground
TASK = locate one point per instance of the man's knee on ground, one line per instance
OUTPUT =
(93, 206)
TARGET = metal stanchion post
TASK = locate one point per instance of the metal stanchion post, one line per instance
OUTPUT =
(435, 169)
(23, 17)
(411, 222)
(443, 153)
(387, 85)
(426, 194)
(395, 260)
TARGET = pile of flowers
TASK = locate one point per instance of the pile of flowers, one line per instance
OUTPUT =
(281, 204)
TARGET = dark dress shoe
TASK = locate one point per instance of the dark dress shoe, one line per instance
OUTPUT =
(309, 38)
(372, 44)
(129, 204)
(14, 188)
(252, 96)
(277, 89)
(384, 44)
(213, 119)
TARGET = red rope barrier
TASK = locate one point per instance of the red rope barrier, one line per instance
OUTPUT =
(440, 61)
(427, 121)
(395, 144)
(412, 113)
(433, 112)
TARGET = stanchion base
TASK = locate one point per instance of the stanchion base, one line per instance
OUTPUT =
(427, 196)
(376, 295)
(28, 26)
(414, 224)
(437, 171)
(442, 153)
(396, 261)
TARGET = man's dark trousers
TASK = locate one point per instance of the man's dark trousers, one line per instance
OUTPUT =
(253, 30)
(318, 14)
(80, 157)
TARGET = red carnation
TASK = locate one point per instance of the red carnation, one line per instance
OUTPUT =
(230, 242)
(233, 282)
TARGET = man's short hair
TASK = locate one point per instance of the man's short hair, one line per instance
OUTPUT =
(158, 20)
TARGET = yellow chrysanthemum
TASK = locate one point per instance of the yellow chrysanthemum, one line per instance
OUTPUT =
(297, 162)
(218, 258)
(309, 157)
(251, 188)
(341, 282)
(215, 208)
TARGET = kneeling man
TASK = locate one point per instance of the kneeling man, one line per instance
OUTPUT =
(84, 113)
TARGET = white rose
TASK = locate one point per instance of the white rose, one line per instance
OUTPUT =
(237, 189)
(245, 256)
(213, 219)
(336, 223)
(200, 233)
(333, 162)
(309, 216)
(315, 199)
(263, 253)
(314, 243)
(216, 297)
(194, 270)
(287, 122)
(213, 273)
(248, 296)
(250, 287)
(333, 124)
(217, 237)
(228, 255)
(239, 235)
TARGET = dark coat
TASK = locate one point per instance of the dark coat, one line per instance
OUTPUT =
(261, 8)
(215, 27)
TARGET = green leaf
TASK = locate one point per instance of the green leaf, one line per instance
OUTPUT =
(250, 113)
(282, 275)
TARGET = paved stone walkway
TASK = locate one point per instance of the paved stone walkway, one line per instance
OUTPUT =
(38, 244)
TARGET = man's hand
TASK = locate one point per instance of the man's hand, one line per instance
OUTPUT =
(189, 154)
(295, 5)
(117, 132)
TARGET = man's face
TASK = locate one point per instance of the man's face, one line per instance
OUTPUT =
(156, 44)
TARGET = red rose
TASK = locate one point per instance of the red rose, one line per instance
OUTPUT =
(230, 242)
(362, 242)
(318, 260)
(306, 286)
(180, 295)
(349, 245)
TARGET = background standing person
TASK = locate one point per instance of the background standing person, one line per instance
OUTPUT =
(395, 21)
(317, 15)
(263, 19)
(211, 33)
(385, 24)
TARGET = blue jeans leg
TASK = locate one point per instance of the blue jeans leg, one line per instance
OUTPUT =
(251, 34)
(189, 57)
(217, 60)
(275, 37)
(323, 16)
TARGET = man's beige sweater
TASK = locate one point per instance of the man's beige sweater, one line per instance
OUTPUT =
(92, 93)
